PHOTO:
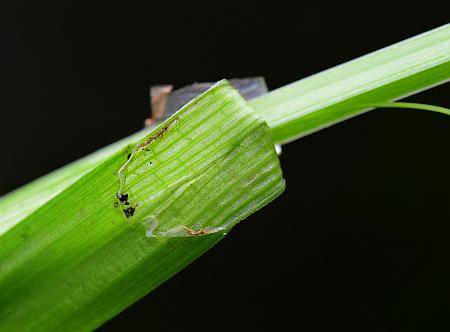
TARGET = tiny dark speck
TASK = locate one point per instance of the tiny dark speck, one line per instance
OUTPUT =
(129, 211)
(129, 156)
(123, 197)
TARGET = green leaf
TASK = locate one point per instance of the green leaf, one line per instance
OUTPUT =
(73, 253)
(329, 97)
(416, 106)
(89, 252)
(296, 110)
(23, 201)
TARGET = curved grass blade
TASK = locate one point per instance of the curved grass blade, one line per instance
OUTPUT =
(416, 106)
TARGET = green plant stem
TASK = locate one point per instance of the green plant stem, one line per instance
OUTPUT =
(88, 253)
(334, 95)
(293, 111)
(69, 260)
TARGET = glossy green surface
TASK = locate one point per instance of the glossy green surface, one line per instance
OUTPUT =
(329, 97)
(72, 255)
(85, 255)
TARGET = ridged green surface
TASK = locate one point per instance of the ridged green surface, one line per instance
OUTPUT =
(23, 201)
(70, 258)
(82, 257)
(293, 111)
(329, 97)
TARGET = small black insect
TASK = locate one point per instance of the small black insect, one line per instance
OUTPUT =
(123, 197)
(129, 211)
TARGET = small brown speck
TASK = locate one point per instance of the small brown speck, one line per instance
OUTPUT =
(192, 232)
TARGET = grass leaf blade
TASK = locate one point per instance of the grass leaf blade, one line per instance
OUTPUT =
(329, 97)
(86, 254)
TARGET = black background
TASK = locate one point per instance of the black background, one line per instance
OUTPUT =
(359, 239)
